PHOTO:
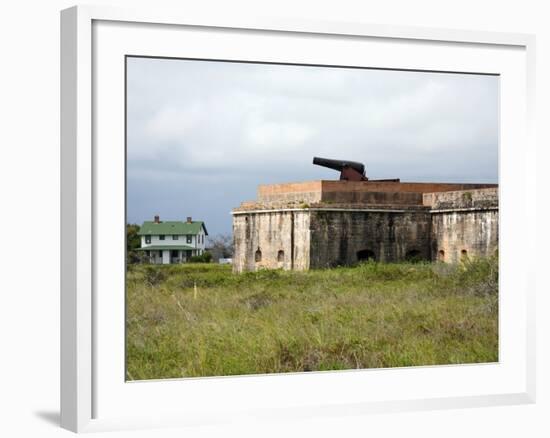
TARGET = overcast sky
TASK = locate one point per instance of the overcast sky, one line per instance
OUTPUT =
(202, 135)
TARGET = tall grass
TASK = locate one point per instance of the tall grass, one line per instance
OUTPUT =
(201, 320)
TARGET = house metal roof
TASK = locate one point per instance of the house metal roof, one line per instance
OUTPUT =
(150, 228)
(162, 247)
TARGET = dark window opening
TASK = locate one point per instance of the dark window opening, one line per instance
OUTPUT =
(175, 237)
(161, 237)
(175, 253)
(147, 239)
(413, 256)
(281, 256)
(441, 255)
(258, 255)
(365, 255)
(463, 254)
(189, 238)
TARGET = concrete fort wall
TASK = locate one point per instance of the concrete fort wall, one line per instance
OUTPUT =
(271, 239)
(320, 238)
(458, 234)
(464, 224)
(346, 237)
(480, 199)
(344, 227)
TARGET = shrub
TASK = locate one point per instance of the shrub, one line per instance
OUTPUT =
(479, 275)
(154, 275)
(135, 257)
(203, 258)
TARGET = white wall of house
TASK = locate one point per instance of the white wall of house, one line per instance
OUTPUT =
(168, 240)
(165, 256)
(200, 240)
(197, 241)
(155, 257)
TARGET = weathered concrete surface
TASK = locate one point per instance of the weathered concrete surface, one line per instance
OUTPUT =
(301, 239)
(464, 224)
(456, 235)
(345, 237)
(286, 229)
(462, 199)
(276, 239)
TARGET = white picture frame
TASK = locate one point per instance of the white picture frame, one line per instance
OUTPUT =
(92, 389)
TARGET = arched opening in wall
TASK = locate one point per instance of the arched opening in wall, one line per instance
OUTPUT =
(463, 255)
(281, 256)
(413, 256)
(365, 255)
(441, 256)
(258, 255)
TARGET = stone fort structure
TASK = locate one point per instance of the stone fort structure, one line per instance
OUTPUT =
(320, 224)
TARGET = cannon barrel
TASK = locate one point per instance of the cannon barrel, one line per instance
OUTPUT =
(349, 170)
(339, 164)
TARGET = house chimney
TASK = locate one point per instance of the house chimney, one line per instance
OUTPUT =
(157, 219)
(189, 219)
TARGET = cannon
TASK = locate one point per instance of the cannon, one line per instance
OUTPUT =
(349, 170)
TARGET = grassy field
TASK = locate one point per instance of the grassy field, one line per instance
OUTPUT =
(201, 320)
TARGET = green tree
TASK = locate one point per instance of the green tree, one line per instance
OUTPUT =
(133, 242)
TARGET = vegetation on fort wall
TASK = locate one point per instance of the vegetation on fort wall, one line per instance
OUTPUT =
(201, 320)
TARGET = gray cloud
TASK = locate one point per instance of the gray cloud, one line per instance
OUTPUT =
(202, 135)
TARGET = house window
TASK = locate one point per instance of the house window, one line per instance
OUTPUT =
(147, 239)
(175, 237)
(161, 237)
(189, 238)
(281, 256)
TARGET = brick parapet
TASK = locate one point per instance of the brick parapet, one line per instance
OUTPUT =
(273, 206)
(357, 192)
(462, 200)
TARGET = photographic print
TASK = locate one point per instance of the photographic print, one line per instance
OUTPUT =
(296, 218)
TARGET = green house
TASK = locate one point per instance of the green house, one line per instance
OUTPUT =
(166, 242)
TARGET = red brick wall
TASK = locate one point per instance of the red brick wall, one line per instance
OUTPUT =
(356, 191)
